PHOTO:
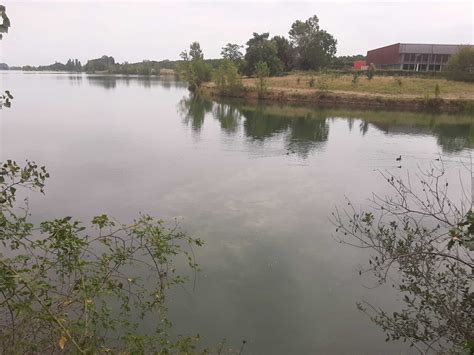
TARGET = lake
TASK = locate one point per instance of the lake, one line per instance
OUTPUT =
(257, 183)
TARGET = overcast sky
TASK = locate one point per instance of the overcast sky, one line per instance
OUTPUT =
(45, 32)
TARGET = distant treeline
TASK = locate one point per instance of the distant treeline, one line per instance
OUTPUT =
(107, 64)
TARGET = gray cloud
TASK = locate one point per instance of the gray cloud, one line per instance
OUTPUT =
(44, 32)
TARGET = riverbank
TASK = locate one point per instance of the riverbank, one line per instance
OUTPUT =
(388, 93)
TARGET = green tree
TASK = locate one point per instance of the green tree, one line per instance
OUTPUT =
(261, 49)
(461, 65)
(195, 51)
(262, 72)
(346, 61)
(193, 69)
(103, 63)
(285, 52)
(315, 48)
(231, 51)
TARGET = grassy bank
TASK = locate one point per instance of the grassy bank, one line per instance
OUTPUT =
(385, 92)
(310, 111)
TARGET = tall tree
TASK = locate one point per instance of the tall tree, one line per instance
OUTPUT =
(195, 51)
(285, 51)
(232, 52)
(261, 49)
(315, 47)
(461, 65)
(193, 69)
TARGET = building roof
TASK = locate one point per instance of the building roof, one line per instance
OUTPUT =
(427, 48)
(424, 48)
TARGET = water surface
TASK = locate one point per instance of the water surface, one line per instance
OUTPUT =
(256, 183)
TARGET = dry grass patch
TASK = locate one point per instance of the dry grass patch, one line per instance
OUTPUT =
(379, 85)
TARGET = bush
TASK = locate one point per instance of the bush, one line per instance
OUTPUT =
(421, 242)
(370, 73)
(68, 288)
(355, 77)
(460, 66)
(227, 77)
(262, 72)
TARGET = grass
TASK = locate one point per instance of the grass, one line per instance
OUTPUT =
(379, 85)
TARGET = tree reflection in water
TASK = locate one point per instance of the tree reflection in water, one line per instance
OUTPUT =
(301, 135)
(305, 129)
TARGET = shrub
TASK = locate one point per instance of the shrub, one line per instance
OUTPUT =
(355, 77)
(460, 66)
(370, 72)
(262, 72)
(227, 77)
(68, 288)
(427, 260)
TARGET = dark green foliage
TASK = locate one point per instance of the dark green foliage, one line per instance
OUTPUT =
(460, 66)
(285, 52)
(73, 65)
(315, 48)
(261, 49)
(5, 21)
(5, 99)
(145, 67)
(195, 51)
(421, 242)
(103, 63)
(231, 51)
(68, 288)
(346, 61)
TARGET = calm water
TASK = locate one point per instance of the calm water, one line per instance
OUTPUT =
(256, 183)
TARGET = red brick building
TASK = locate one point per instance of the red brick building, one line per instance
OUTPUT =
(411, 56)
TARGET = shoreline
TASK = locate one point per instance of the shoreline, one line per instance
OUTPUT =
(330, 99)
